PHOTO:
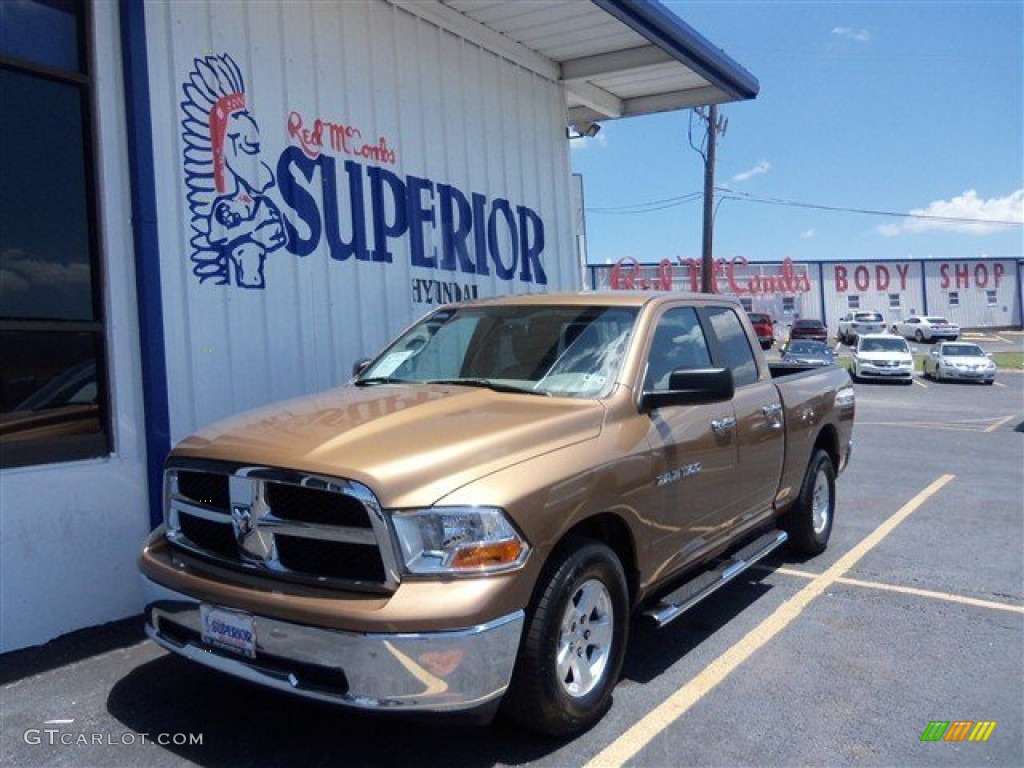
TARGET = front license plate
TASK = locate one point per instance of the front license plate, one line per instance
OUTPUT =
(233, 631)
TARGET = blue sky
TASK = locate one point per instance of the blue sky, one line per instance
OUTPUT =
(903, 107)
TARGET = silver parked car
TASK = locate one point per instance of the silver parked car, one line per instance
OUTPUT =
(927, 328)
(882, 356)
(808, 353)
(959, 361)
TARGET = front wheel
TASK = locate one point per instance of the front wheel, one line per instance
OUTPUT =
(809, 522)
(574, 644)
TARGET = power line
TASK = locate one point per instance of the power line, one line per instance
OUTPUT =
(729, 194)
(650, 206)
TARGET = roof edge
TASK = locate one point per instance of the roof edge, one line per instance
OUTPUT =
(662, 27)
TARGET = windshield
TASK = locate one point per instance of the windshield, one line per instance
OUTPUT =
(884, 345)
(868, 317)
(962, 350)
(808, 348)
(573, 351)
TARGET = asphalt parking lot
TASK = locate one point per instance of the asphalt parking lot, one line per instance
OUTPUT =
(914, 614)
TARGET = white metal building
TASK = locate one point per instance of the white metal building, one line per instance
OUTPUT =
(216, 204)
(974, 293)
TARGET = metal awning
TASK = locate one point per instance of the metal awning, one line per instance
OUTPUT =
(616, 58)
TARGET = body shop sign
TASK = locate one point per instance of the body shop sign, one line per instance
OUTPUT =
(334, 187)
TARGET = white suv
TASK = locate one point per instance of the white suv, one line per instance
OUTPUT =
(883, 356)
(853, 324)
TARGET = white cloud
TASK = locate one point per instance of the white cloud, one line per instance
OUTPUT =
(965, 214)
(858, 35)
(762, 167)
(808, 234)
(589, 142)
(21, 269)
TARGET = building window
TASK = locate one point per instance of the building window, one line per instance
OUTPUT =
(788, 304)
(990, 298)
(53, 404)
(853, 301)
(747, 303)
(894, 301)
(954, 299)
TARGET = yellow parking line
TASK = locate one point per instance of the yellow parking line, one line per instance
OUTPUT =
(1001, 422)
(947, 596)
(661, 717)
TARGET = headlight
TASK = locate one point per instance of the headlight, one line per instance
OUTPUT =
(446, 540)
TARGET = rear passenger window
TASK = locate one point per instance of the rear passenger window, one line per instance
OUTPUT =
(678, 343)
(733, 345)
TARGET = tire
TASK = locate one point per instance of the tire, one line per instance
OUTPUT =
(809, 522)
(575, 640)
(918, 336)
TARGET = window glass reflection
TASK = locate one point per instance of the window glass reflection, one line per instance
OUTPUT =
(45, 251)
(50, 397)
(42, 32)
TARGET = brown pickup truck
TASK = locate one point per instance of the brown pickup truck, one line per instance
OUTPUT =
(477, 517)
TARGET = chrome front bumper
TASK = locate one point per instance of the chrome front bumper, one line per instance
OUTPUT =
(433, 671)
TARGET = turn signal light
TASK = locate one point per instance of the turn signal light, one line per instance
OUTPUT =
(488, 555)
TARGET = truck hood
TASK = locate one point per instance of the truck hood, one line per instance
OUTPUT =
(411, 445)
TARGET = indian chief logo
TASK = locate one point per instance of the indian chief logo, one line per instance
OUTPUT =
(235, 225)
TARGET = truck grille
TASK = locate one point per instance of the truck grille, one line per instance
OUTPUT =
(280, 523)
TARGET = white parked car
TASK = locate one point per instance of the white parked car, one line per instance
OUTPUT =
(882, 356)
(959, 361)
(927, 328)
(853, 324)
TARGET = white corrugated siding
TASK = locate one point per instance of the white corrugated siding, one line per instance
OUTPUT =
(986, 292)
(872, 282)
(454, 113)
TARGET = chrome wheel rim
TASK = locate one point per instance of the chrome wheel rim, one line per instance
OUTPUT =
(585, 639)
(821, 503)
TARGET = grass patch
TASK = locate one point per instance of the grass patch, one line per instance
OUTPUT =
(1009, 361)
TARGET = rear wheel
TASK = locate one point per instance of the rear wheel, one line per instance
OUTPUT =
(574, 644)
(809, 522)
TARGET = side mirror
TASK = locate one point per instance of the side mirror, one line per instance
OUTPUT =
(360, 365)
(690, 387)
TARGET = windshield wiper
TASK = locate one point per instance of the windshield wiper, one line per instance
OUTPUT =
(381, 380)
(488, 384)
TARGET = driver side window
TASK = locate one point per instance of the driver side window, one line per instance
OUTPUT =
(678, 343)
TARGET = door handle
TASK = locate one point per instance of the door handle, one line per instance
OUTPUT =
(721, 426)
(773, 414)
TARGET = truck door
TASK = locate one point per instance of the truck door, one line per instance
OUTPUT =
(760, 434)
(693, 451)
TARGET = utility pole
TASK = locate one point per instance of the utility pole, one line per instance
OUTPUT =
(715, 126)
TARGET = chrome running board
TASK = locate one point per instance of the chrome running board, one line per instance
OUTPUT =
(674, 604)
